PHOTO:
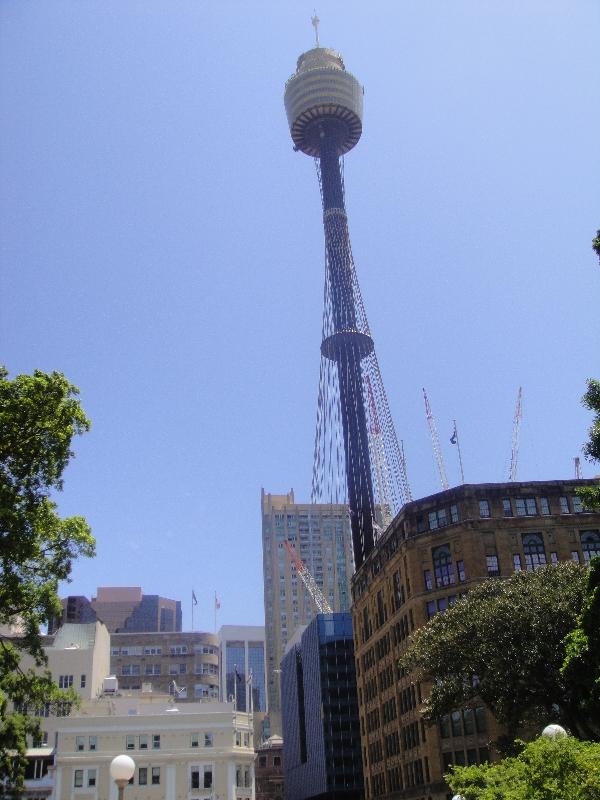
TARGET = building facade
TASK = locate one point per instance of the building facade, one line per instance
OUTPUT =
(197, 752)
(243, 666)
(435, 550)
(268, 769)
(321, 536)
(122, 609)
(184, 664)
(321, 731)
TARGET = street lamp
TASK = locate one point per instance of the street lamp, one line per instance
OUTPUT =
(121, 771)
(554, 731)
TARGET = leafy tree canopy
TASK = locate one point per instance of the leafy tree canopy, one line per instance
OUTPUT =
(503, 643)
(581, 668)
(546, 769)
(591, 450)
(39, 416)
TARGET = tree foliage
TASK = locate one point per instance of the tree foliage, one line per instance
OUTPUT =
(591, 450)
(503, 643)
(581, 668)
(39, 416)
(546, 769)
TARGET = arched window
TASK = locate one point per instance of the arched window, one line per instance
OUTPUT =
(590, 544)
(442, 566)
(533, 547)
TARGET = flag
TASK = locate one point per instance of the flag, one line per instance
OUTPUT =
(194, 598)
(217, 602)
(454, 437)
(237, 674)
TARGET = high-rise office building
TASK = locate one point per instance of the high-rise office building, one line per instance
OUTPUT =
(320, 534)
(243, 666)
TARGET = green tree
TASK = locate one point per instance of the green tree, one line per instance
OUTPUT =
(591, 400)
(503, 643)
(39, 416)
(546, 769)
(581, 668)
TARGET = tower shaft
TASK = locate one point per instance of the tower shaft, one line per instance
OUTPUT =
(346, 346)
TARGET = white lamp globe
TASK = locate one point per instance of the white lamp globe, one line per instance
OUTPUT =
(554, 731)
(458, 797)
(122, 768)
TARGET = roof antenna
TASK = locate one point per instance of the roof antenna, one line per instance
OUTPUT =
(315, 22)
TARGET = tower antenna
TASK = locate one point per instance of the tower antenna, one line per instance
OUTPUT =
(514, 453)
(315, 23)
(435, 442)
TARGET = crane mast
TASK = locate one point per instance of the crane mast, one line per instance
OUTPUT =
(435, 442)
(307, 579)
(514, 453)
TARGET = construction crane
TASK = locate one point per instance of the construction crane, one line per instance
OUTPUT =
(435, 442)
(514, 453)
(307, 579)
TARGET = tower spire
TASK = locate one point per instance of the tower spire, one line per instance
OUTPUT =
(315, 23)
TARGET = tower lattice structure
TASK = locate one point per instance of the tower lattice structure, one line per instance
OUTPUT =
(357, 457)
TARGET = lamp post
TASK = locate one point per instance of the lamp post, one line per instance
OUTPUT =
(554, 731)
(121, 771)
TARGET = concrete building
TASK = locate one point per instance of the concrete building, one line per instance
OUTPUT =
(321, 731)
(321, 536)
(243, 666)
(185, 663)
(268, 770)
(122, 608)
(200, 751)
(434, 551)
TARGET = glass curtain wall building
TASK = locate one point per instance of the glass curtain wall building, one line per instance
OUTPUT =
(243, 666)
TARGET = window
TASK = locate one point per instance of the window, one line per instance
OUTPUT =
(195, 740)
(544, 506)
(484, 508)
(93, 742)
(460, 568)
(427, 579)
(276, 761)
(554, 558)
(517, 562)
(526, 506)
(143, 776)
(575, 556)
(455, 723)
(262, 761)
(454, 513)
(152, 669)
(155, 776)
(469, 721)
(533, 547)
(445, 727)
(143, 741)
(130, 743)
(493, 568)
(431, 609)
(182, 669)
(590, 544)
(238, 739)
(179, 650)
(507, 508)
(79, 743)
(78, 778)
(195, 778)
(564, 505)
(156, 741)
(65, 681)
(480, 720)
(577, 504)
(438, 519)
(442, 566)
(208, 740)
(82, 682)
(208, 777)
(91, 777)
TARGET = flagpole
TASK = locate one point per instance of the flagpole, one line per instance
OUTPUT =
(215, 612)
(235, 674)
(462, 474)
(192, 609)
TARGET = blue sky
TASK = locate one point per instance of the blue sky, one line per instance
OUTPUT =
(162, 246)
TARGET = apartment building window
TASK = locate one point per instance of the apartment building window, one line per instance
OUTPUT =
(533, 547)
(427, 579)
(208, 777)
(91, 777)
(78, 778)
(130, 743)
(460, 568)
(195, 740)
(564, 505)
(152, 651)
(590, 544)
(208, 740)
(442, 565)
(438, 519)
(156, 741)
(155, 776)
(507, 507)
(79, 743)
(526, 507)
(517, 562)
(143, 741)
(65, 681)
(179, 650)
(152, 669)
(544, 506)
(493, 568)
(575, 556)
(484, 508)
(82, 681)
(454, 513)
(143, 776)
(93, 742)
(431, 609)
(577, 504)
